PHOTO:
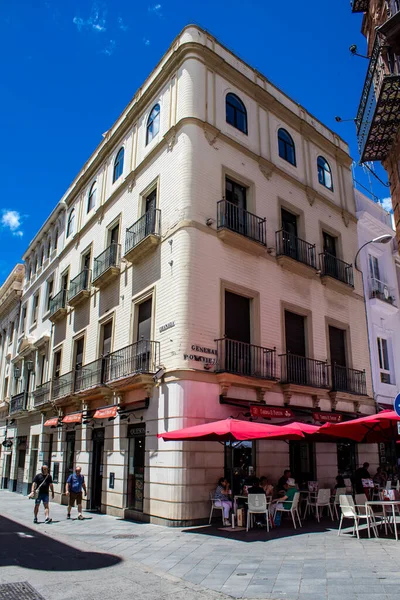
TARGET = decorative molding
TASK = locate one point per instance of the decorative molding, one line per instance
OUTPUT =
(224, 387)
(170, 138)
(345, 218)
(131, 185)
(315, 401)
(265, 171)
(287, 396)
(260, 395)
(211, 134)
(311, 196)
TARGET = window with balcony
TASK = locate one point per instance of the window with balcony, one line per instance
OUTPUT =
(153, 124)
(91, 202)
(383, 358)
(106, 338)
(324, 173)
(236, 114)
(57, 364)
(286, 147)
(23, 319)
(49, 293)
(11, 335)
(118, 165)
(79, 345)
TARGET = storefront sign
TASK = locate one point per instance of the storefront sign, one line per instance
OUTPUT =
(167, 326)
(136, 430)
(327, 417)
(270, 412)
(73, 418)
(106, 413)
(51, 422)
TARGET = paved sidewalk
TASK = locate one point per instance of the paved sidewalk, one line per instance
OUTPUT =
(312, 563)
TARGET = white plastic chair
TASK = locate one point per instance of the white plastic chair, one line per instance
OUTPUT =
(318, 503)
(257, 505)
(215, 507)
(349, 511)
(293, 510)
(336, 500)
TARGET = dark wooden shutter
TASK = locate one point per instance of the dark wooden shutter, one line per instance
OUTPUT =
(337, 345)
(294, 334)
(237, 317)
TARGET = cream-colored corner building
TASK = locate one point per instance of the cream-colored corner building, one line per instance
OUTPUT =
(203, 269)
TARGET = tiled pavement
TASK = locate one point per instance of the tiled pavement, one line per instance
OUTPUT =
(310, 564)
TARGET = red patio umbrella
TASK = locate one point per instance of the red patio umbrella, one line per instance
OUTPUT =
(231, 430)
(369, 430)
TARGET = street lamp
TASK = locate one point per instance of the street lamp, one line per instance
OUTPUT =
(382, 239)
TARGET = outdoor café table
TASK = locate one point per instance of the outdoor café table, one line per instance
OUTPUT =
(235, 499)
(384, 504)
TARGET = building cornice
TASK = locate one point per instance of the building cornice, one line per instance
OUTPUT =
(11, 290)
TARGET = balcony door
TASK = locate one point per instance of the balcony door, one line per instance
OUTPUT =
(295, 340)
(150, 213)
(289, 234)
(329, 248)
(235, 213)
(142, 354)
(238, 334)
(337, 348)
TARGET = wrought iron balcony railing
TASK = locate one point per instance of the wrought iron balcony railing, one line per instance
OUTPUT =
(141, 357)
(18, 403)
(245, 359)
(358, 6)
(348, 380)
(148, 224)
(379, 289)
(63, 386)
(80, 283)
(106, 260)
(41, 395)
(89, 376)
(332, 266)
(378, 116)
(300, 370)
(232, 217)
(58, 302)
(296, 248)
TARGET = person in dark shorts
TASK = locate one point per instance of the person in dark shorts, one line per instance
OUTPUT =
(73, 489)
(43, 483)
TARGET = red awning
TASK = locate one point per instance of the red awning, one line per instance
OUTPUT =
(51, 422)
(106, 413)
(233, 430)
(373, 429)
(73, 418)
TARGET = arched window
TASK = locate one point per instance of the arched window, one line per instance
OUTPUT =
(56, 239)
(287, 149)
(153, 123)
(92, 196)
(236, 114)
(118, 165)
(324, 173)
(70, 222)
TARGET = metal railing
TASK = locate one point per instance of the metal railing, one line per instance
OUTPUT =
(304, 371)
(63, 386)
(148, 224)
(245, 359)
(379, 289)
(296, 248)
(348, 380)
(376, 128)
(41, 395)
(80, 283)
(58, 302)
(232, 217)
(18, 403)
(336, 268)
(359, 5)
(141, 357)
(109, 258)
(89, 376)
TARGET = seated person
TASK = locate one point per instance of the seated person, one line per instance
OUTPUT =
(256, 487)
(222, 498)
(290, 490)
(380, 478)
(267, 487)
(339, 482)
(283, 480)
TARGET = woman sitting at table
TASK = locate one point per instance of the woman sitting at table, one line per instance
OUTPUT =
(221, 498)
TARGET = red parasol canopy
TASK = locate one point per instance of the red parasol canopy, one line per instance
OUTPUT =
(371, 430)
(304, 427)
(231, 430)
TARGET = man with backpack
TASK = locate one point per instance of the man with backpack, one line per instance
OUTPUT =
(41, 485)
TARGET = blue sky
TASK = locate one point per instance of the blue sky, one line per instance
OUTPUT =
(69, 68)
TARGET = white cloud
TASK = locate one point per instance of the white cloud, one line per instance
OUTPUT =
(109, 49)
(122, 25)
(146, 42)
(11, 219)
(156, 9)
(387, 204)
(95, 22)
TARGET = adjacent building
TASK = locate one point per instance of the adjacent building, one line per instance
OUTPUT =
(378, 115)
(199, 266)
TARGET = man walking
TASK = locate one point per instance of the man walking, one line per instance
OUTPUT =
(42, 483)
(73, 489)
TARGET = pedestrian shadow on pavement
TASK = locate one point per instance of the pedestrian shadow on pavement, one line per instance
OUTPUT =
(22, 546)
